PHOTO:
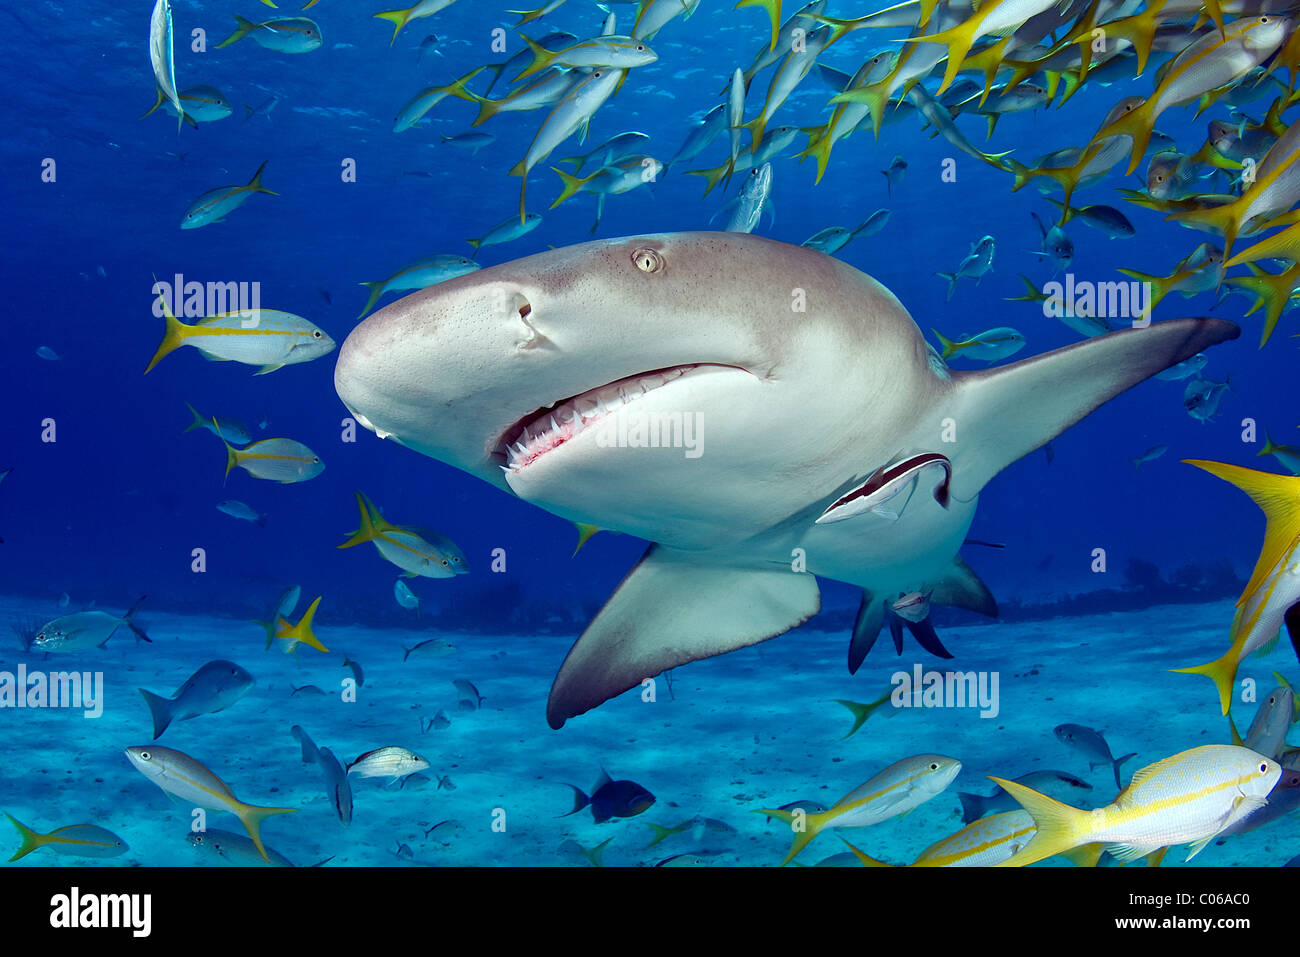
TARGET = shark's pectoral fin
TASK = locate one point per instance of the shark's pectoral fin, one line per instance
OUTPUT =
(871, 615)
(670, 610)
(962, 588)
(1008, 411)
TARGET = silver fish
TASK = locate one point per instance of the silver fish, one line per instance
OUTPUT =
(214, 687)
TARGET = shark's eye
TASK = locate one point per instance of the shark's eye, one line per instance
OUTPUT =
(648, 260)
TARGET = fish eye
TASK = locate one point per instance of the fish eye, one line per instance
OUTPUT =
(648, 260)
(146, 756)
(316, 460)
(316, 334)
(1263, 769)
(445, 562)
(934, 767)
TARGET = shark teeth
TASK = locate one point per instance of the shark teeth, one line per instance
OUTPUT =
(552, 425)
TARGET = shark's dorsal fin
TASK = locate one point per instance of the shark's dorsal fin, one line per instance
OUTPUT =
(1004, 413)
(670, 610)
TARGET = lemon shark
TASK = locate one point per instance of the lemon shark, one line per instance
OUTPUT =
(802, 383)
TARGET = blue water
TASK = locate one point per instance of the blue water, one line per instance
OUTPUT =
(115, 507)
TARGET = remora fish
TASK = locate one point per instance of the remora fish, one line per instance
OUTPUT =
(161, 57)
(424, 373)
(748, 208)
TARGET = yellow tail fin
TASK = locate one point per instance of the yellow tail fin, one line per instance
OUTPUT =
(585, 532)
(1222, 671)
(31, 841)
(398, 18)
(173, 336)
(542, 58)
(949, 347)
(773, 8)
(242, 29)
(252, 817)
(813, 824)
(372, 523)
(572, 184)
(1060, 828)
(302, 632)
(1278, 496)
(866, 859)
(255, 184)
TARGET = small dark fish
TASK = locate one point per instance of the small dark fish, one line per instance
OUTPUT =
(446, 829)
(307, 690)
(611, 799)
(433, 648)
(470, 699)
(445, 781)
(357, 673)
(337, 788)
(1093, 746)
(310, 753)
(438, 722)
(404, 851)
(325, 294)
(808, 807)
(897, 170)
(976, 806)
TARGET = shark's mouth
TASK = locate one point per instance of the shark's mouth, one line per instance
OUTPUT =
(551, 426)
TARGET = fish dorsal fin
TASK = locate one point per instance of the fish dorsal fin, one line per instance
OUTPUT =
(1279, 498)
(601, 781)
(670, 610)
(1140, 776)
(1008, 411)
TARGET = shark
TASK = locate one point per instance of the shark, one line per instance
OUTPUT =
(715, 394)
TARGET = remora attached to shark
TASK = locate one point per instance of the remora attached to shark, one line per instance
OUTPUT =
(507, 373)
